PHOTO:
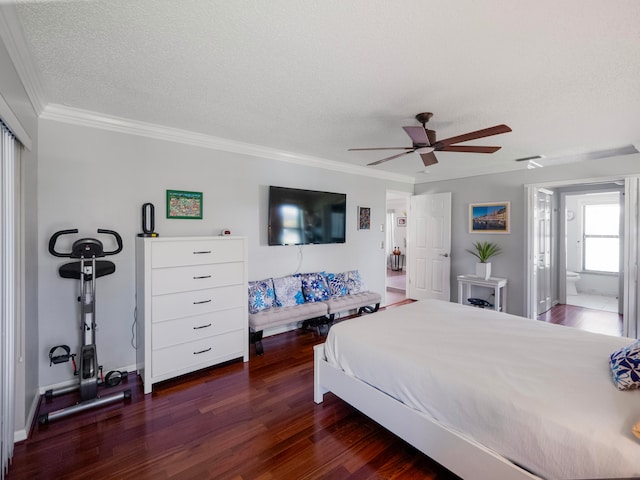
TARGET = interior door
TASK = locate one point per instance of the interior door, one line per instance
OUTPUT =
(429, 247)
(543, 253)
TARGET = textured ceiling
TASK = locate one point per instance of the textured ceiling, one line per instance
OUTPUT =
(318, 77)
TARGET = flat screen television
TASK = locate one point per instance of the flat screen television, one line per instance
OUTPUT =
(302, 217)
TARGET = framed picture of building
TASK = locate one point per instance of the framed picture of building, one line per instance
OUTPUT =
(491, 217)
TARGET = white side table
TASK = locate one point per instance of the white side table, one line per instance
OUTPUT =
(499, 286)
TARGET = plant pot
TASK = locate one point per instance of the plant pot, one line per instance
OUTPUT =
(483, 270)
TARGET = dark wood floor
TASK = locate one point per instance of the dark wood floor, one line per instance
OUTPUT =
(254, 420)
(598, 321)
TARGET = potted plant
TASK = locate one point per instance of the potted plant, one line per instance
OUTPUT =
(483, 251)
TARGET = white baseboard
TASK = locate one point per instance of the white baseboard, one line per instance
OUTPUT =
(73, 381)
(23, 434)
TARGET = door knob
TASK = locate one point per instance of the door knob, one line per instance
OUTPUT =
(445, 255)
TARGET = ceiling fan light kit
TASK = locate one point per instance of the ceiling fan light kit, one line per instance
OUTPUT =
(424, 142)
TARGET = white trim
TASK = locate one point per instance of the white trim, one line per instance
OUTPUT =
(130, 369)
(583, 181)
(9, 118)
(530, 194)
(13, 38)
(23, 434)
(86, 118)
(630, 319)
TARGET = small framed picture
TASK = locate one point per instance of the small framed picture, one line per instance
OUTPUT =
(364, 218)
(185, 205)
(402, 221)
(489, 217)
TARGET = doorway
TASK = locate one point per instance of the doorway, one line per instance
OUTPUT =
(397, 204)
(593, 222)
(594, 255)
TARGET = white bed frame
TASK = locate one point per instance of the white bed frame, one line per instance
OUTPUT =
(466, 458)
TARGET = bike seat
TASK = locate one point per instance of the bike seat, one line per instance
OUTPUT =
(72, 269)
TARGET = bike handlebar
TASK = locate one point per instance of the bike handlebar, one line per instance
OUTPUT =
(55, 236)
(118, 240)
(54, 239)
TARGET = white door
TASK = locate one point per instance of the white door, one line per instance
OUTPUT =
(429, 246)
(543, 254)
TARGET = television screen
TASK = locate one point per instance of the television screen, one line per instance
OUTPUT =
(301, 217)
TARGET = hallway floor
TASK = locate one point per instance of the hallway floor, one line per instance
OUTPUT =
(396, 284)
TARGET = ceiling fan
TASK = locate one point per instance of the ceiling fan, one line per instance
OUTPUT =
(425, 143)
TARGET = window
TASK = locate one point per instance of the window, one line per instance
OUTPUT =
(601, 237)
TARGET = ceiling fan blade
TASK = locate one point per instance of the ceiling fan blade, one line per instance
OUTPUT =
(486, 132)
(390, 158)
(381, 148)
(431, 134)
(469, 149)
(418, 135)
(428, 159)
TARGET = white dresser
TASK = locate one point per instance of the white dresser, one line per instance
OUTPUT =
(191, 298)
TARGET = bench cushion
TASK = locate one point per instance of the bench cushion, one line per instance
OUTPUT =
(349, 302)
(277, 316)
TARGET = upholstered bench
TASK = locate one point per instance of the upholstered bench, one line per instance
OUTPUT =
(278, 316)
(309, 299)
(364, 302)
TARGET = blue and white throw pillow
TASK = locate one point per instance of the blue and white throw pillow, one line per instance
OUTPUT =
(355, 284)
(625, 366)
(261, 295)
(315, 287)
(288, 291)
(337, 284)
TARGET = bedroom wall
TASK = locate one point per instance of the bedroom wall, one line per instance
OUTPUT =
(26, 388)
(92, 178)
(510, 186)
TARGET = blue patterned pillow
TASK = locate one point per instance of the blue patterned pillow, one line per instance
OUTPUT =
(337, 284)
(315, 287)
(261, 295)
(625, 366)
(288, 291)
(355, 284)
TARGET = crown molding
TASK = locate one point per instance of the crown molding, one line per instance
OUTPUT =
(9, 118)
(86, 118)
(12, 36)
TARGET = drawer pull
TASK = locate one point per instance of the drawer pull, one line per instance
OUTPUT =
(201, 326)
(203, 301)
(202, 351)
(203, 252)
(201, 277)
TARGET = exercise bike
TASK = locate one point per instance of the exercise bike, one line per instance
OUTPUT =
(86, 269)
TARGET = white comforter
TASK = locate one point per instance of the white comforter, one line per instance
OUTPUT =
(539, 394)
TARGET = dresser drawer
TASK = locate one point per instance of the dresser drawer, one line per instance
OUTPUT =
(197, 302)
(188, 329)
(196, 277)
(200, 352)
(196, 252)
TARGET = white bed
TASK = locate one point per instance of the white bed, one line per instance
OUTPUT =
(481, 391)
